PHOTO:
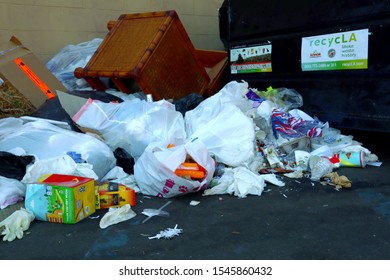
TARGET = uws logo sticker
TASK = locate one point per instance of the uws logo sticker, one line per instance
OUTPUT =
(315, 54)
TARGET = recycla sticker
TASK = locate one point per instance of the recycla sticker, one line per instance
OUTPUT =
(337, 51)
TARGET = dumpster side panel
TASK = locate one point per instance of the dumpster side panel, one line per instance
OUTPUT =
(356, 99)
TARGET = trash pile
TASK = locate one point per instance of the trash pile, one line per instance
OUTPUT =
(234, 142)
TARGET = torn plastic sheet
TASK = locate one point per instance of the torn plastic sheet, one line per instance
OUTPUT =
(241, 182)
(156, 212)
(271, 178)
(296, 174)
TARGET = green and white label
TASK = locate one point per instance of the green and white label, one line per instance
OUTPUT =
(252, 59)
(338, 51)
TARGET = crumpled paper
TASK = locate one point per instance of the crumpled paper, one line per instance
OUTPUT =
(117, 215)
(241, 182)
(337, 180)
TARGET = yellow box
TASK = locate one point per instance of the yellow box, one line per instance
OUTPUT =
(61, 198)
(112, 194)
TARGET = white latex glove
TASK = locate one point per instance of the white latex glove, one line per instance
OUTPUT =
(16, 224)
(117, 215)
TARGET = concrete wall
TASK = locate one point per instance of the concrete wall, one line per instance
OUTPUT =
(46, 26)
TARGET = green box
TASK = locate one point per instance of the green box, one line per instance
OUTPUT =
(61, 198)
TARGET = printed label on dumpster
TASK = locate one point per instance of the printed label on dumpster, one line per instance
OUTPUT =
(251, 59)
(337, 51)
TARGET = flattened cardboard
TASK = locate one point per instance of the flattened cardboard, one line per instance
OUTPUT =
(70, 103)
(10, 71)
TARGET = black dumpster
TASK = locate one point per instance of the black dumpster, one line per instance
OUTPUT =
(334, 53)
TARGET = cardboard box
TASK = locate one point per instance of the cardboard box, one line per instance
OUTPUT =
(216, 65)
(112, 194)
(26, 73)
(61, 198)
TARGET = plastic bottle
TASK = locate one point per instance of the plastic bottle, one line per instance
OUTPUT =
(319, 166)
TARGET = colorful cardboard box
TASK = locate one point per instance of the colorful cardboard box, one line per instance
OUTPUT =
(61, 198)
(112, 194)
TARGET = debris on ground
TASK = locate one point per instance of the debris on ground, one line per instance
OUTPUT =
(14, 225)
(194, 202)
(117, 215)
(156, 212)
(336, 180)
(169, 233)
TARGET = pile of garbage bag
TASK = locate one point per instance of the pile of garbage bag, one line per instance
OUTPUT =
(234, 142)
(246, 132)
(237, 140)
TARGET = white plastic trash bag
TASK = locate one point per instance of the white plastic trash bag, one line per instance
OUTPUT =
(44, 140)
(225, 130)
(234, 93)
(63, 64)
(132, 125)
(11, 191)
(58, 165)
(9, 125)
(155, 174)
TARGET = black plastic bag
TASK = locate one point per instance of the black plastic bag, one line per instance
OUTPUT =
(188, 102)
(13, 166)
(124, 160)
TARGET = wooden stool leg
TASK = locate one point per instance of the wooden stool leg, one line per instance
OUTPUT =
(120, 85)
(95, 83)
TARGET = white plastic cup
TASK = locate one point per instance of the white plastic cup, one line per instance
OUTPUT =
(352, 159)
